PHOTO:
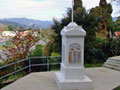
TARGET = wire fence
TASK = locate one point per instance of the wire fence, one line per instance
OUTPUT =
(28, 65)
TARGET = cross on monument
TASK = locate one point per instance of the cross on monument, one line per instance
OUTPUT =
(72, 11)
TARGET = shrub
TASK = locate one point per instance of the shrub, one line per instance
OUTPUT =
(53, 58)
(94, 51)
(38, 50)
(112, 47)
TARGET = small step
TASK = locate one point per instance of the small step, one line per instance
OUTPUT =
(115, 58)
(112, 67)
(113, 61)
(113, 64)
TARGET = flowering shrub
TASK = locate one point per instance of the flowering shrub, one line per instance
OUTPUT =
(21, 46)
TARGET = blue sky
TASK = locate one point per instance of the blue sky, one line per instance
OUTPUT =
(42, 9)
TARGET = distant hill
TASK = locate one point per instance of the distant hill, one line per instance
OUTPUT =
(10, 23)
(27, 23)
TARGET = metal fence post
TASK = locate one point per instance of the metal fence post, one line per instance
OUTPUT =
(29, 65)
(48, 64)
(15, 70)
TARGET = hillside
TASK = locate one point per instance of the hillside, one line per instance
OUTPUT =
(27, 23)
(10, 23)
(3, 26)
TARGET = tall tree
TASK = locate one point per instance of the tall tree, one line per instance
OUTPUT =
(117, 23)
(78, 3)
(94, 22)
(103, 13)
(102, 3)
(81, 17)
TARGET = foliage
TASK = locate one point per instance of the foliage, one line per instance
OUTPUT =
(38, 51)
(1, 46)
(57, 38)
(1, 63)
(78, 3)
(22, 46)
(10, 27)
(47, 49)
(8, 43)
(54, 59)
(93, 65)
(97, 23)
(118, 88)
(111, 26)
(53, 56)
(81, 17)
(94, 52)
(102, 13)
(50, 42)
(112, 47)
(117, 23)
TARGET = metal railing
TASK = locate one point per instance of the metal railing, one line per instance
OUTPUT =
(31, 62)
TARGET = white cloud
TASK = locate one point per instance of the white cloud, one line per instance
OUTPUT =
(40, 9)
(43, 10)
(116, 8)
(90, 3)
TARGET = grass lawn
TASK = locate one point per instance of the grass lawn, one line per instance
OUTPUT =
(117, 88)
(93, 65)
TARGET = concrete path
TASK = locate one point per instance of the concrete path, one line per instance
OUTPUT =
(103, 79)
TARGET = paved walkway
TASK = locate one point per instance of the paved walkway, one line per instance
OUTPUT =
(103, 79)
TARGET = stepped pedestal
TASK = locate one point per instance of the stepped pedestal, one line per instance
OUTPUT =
(113, 63)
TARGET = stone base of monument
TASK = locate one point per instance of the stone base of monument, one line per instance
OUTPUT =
(83, 84)
(72, 76)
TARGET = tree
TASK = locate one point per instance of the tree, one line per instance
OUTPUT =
(111, 26)
(117, 23)
(56, 45)
(94, 23)
(38, 51)
(103, 14)
(102, 3)
(21, 46)
(81, 17)
(10, 27)
(78, 3)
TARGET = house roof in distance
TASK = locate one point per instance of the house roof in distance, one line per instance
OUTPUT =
(117, 33)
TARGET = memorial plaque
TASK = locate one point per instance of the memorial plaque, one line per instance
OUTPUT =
(74, 53)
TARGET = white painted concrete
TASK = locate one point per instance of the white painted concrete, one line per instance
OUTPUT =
(72, 76)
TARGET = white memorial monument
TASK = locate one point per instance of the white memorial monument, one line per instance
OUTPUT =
(72, 76)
